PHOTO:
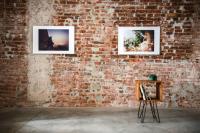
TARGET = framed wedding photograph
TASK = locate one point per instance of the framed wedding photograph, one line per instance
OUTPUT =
(138, 40)
(53, 39)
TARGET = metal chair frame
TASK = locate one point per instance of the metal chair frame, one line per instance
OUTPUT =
(153, 106)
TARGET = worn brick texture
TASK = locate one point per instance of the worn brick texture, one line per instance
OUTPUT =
(96, 76)
(13, 52)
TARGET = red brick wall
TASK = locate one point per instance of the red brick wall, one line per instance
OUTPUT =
(13, 62)
(96, 75)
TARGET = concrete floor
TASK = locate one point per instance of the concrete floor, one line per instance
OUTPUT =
(96, 120)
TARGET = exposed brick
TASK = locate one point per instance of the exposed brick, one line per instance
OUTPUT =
(96, 75)
(13, 79)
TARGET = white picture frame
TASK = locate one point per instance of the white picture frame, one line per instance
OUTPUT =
(53, 40)
(139, 40)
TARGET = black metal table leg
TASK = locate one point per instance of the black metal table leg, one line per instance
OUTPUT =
(158, 117)
(139, 110)
(152, 109)
(143, 112)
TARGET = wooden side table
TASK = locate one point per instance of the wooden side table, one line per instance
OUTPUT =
(159, 89)
(146, 98)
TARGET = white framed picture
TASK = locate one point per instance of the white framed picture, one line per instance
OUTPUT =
(53, 40)
(138, 40)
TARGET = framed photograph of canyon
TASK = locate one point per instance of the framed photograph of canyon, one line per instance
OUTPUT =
(138, 40)
(53, 39)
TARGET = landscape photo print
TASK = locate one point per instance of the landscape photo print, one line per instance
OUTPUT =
(53, 39)
(139, 40)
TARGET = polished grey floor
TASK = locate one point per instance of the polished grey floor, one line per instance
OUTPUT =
(96, 120)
